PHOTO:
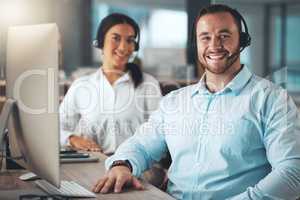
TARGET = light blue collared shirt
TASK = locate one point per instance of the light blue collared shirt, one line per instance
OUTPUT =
(242, 142)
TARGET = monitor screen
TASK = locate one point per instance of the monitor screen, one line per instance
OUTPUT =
(32, 80)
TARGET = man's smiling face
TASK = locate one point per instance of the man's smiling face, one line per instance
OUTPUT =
(217, 40)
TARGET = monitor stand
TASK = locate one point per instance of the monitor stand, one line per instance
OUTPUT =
(8, 108)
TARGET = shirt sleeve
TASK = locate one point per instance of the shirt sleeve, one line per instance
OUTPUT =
(282, 142)
(146, 146)
(69, 115)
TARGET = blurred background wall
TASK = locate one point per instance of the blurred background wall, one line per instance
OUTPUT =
(165, 34)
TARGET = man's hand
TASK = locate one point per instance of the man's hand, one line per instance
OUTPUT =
(115, 179)
(81, 143)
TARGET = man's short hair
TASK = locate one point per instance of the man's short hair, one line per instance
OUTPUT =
(218, 8)
(245, 39)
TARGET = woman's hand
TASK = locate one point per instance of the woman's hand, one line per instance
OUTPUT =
(115, 179)
(81, 143)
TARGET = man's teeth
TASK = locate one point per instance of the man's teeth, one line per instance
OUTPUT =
(216, 57)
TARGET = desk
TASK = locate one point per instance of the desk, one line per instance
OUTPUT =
(86, 174)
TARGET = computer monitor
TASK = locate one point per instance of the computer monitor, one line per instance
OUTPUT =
(32, 81)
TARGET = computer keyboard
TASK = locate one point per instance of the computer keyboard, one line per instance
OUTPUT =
(67, 189)
(79, 160)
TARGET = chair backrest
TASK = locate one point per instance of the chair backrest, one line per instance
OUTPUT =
(168, 86)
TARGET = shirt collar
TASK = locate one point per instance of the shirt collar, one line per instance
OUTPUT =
(240, 80)
(200, 87)
(235, 85)
(125, 77)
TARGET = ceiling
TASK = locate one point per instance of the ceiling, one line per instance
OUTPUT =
(256, 1)
(168, 4)
(181, 4)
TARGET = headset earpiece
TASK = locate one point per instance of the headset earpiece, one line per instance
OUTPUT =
(137, 46)
(245, 39)
(98, 42)
(137, 43)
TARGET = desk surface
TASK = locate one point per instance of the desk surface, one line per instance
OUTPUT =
(86, 174)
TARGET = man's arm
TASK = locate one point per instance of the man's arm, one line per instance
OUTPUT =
(141, 150)
(282, 143)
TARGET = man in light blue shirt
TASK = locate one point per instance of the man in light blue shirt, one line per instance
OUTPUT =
(231, 136)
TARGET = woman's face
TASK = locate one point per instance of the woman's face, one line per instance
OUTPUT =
(119, 44)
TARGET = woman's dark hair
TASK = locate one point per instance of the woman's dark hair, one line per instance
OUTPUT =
(115, 19)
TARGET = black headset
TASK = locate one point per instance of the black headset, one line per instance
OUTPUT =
(245, 38)
(99, 41)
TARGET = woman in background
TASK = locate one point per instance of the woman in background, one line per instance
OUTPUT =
(103, 109)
